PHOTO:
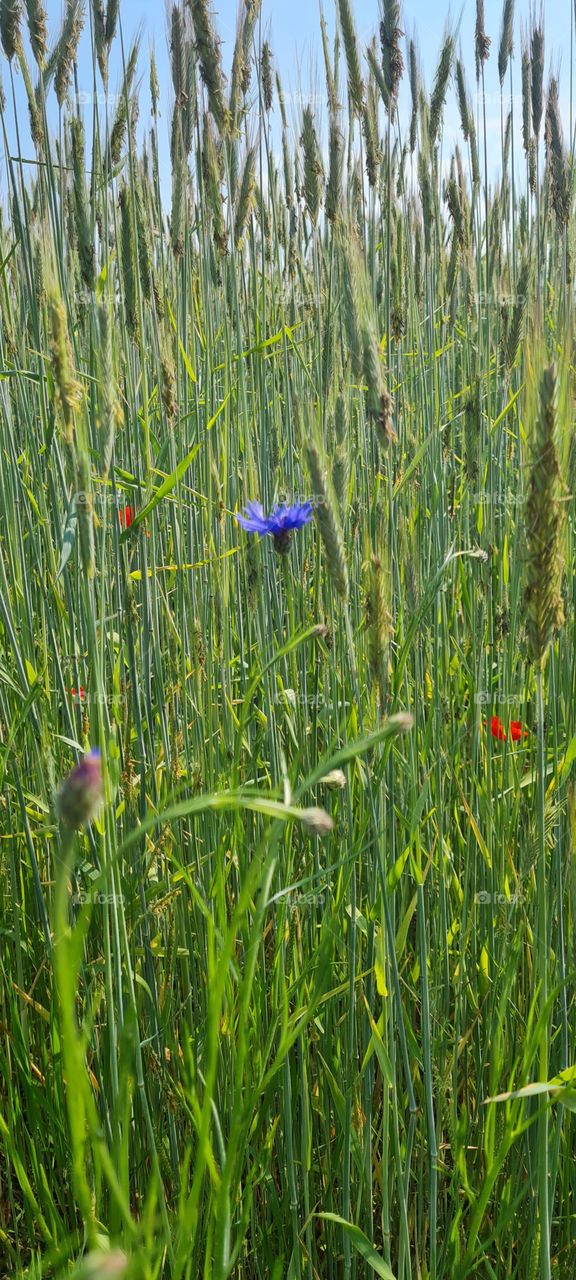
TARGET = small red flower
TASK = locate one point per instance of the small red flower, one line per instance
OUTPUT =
(497, 729)
(79, 694)
(516, 731)
(125, 516)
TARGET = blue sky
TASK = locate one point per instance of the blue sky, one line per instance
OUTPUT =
(294, 32)
(295, 27)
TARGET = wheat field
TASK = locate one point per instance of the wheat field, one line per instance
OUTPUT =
(287, 817)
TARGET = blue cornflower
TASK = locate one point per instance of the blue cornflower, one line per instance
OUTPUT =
(281, 522)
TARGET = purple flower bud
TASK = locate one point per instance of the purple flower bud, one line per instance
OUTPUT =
(81, 792)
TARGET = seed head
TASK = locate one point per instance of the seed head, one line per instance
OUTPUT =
(506, 38)
(208, 52)
(266, 74)
(313, 171)
(544, 522)
(10, 18)
(537, 85)
(482, 40)
(355, 82)
(328, 518)
(392, 60)
(440, 87)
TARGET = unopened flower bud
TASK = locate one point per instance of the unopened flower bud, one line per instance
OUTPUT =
(336, 778)
(103, 1266)
(81, 792)
(317, 820)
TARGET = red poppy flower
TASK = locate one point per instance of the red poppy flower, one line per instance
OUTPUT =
(497, 729)
(516, 731)
(125, 516)
(79, 695)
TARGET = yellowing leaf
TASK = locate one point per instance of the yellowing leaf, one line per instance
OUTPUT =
(380, 965)
(395, 872)
(30, 672)
(484, 970)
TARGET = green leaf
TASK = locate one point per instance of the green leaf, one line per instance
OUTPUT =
(419, 454)
(172, 480)
(188, 366)
(361, 1244)
(394, 725)
(555, 1088)
(166, 487)
(68, 537)
(376, 1045)
(569, 757)
(506, 409)
(235, 801)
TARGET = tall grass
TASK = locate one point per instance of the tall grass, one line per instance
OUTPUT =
(237, 1038)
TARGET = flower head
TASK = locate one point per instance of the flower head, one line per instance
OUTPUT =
(125, 516)
(81, 792)
(281, 522)
(497, 729)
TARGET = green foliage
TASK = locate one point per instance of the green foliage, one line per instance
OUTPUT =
(300, 1000)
